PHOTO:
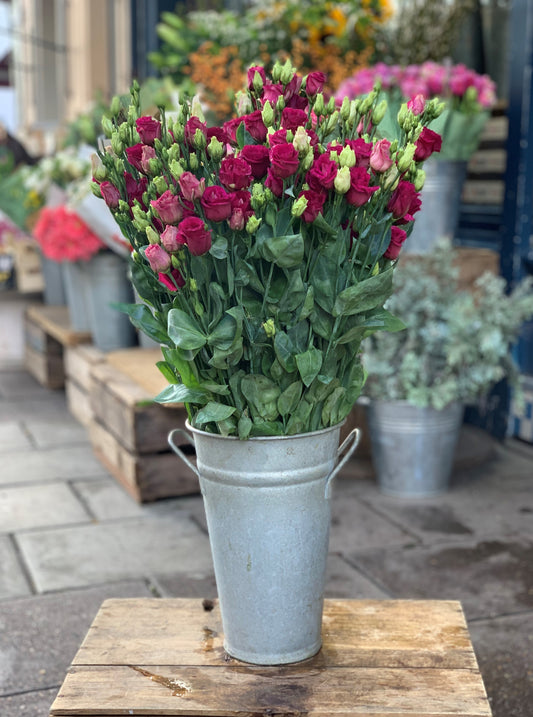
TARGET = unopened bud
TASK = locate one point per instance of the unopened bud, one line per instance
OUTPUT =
(343, 180)
(318, 106)
(108, 127)
(160, 183)
(193, 162)
(115, 106)
(405, 157)
(116, 144)
(379, 112)
(287, 73)
(132, 115)
(347, 157)
(419, 180)
(253, 224)
(215, 149)
(267, 113)
(345, 109)
(270, 328)
(95, 189)
(196, 108)
(176, 170)
(152, 235)
(299, 206)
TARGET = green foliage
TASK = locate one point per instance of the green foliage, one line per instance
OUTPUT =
(457, 344)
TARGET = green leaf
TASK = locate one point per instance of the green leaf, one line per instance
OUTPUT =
(283, 221)
(219, 248)
(179, 393)
(289, 399)
(308, 305)
(330, 409)
(285, 251)
(322, 224)
(244, 426)
(309, 364)
(365, 295)
(224, 333)
(167, 370)
(378, 320)
(285, 351)
(213, 411)
(261, 394)
(247, 275)
(184, 330)
(267, 428)
(184, 365)
(143, 319)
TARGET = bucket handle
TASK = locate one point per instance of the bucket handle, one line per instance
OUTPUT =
(177, 450)
(353, 437)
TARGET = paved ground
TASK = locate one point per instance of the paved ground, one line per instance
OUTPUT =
(70, 537)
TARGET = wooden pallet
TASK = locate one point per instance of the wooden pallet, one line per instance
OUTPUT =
(48, 331)
(388, 658)
(129, 431)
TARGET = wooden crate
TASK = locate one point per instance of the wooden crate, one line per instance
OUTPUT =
(129, 431)
(380, 658)
(78, 361)
(47, 332)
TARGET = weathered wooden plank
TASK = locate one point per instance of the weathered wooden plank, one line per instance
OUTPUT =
(55, 320)
(483, 191)
(46, 369)
(78, 402)
(139, 364)
(127, 410)
(241, 690)
(488, 161)
(36, 338)
(147, 477)
(363, 633)
(79, 361)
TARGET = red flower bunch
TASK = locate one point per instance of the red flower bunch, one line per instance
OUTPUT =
(265, 248)
(63, 236)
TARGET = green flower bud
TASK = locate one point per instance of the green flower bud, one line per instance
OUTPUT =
(118, 165)
(132, 115)
(160, 183)
(267, 113)
(343, 180)
(307, 162)
(176, 170)
(390, 179)
(280, 103)
(345, 109)
(270, 328)
(173, 152)
(276, 71)
(299, 206)
(215, 149)
(331, 122)
(366, 104)
(136, 86)
(100, 173)
(108, 127)
(287, 73)
(152, 235)
(253, 224)
(95, 189)
(179, 132)
(257, 82)
(199, 139)
(405, 157)
(330, 107)
(379, 112)
(420, 179)
(347, 157)
(301, 141)
(116, 144)
(193, 285)
(196, 108)
(402, 114)
(175, 261)
(124, 132)
(124, 207)
(193, 161)
(318, 106)
(115, 106)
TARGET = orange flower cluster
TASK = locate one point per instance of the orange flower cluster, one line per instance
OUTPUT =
(220, 73)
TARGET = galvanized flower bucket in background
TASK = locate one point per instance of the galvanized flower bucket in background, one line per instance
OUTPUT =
(441, 203)
(413, 448)
(268, 515)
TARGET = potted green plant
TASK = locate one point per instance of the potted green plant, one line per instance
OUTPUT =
(455, 347)
(264, 251)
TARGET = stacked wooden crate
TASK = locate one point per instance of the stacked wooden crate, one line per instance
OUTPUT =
(129, 430)
(48, 333)
(79, 362)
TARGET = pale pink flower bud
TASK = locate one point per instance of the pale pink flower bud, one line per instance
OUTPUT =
(416, 104)
(158, 258)
(380, 159)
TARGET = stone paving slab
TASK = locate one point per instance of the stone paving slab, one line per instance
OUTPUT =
(23, 408)
(504, 650)
(66, 463)
(490, 577)
(56, 431)
(13, 582)
(64, 558)
(38, 506)
(350, 517)
(39, 636)
(13, 437)
(28, 704)
(16, 383)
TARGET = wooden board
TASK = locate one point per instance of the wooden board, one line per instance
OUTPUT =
(146, 477)
(78, 402)
(379, 658)
(139, 364)
(79, 361)
(55, 320)
(127, 410)
(47, 369)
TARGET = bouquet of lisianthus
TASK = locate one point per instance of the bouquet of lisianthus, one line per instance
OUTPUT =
(264, 250)
(467, 99)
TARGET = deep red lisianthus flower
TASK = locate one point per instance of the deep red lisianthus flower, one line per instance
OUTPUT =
(404, 200)
(322, 174)
(315, 204)
(255, 126)
(235, 173)
(427, 143)
(216, 203)
(284, 160)
(398, 236)
(258, 157)
(149, 129)
(168, 208)
(360, 191)
(194, 233)
(63, 236)
(172, 281)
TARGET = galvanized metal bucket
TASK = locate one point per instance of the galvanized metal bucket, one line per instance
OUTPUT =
(441, 202)
(413, 448)
(77, 294)
(268, 515)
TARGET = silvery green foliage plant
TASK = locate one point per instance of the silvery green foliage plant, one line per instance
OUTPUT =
(456, 344)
